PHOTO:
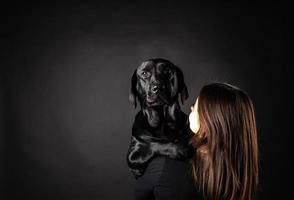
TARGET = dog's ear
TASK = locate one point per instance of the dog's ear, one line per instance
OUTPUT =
(178, 85)
(152, 116)
(133, 90)
(172, 110)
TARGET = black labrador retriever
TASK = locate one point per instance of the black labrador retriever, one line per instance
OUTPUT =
(160, 127)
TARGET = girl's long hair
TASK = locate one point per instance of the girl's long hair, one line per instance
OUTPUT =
(225, 165)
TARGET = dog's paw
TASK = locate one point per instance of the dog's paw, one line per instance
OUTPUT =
(137, 173)
(183, 152)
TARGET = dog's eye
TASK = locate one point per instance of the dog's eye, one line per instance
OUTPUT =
(145, 74)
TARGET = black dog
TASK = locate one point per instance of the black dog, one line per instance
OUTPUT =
(160, 127)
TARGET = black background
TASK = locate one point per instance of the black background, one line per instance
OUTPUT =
(66, 116)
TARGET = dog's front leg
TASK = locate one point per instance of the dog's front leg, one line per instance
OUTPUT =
(165, 147)
(138, 155)
(176, 149)
(172, 150)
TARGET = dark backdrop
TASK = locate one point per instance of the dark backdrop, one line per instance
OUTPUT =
(67, 120)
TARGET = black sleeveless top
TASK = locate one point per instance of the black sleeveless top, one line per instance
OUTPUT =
(167, 178)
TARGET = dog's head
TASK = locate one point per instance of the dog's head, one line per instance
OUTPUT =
(158, 82)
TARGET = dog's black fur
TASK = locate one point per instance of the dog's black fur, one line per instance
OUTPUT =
(160, 127)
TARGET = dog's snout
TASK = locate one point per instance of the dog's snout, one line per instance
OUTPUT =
(154, 89)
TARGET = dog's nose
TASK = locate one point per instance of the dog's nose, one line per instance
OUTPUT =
(154, 89)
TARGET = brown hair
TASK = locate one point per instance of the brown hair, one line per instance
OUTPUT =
(225, 164)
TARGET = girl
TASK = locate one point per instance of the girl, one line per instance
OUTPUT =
(225, 163)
